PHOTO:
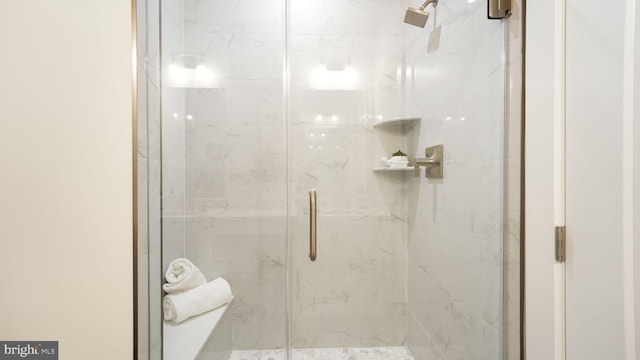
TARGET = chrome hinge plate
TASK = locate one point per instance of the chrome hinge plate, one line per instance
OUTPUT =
(498, 9)
(561, 243)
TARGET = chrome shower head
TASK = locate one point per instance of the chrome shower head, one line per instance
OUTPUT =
(418, 17)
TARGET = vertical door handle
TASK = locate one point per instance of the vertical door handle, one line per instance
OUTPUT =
(312, 225)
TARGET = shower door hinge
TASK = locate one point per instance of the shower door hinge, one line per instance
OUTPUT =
(498, 9)
(561, 244)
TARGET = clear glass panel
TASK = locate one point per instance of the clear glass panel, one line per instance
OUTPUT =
(345, 57)
(401, 260)
(403, 263)
(224, 178)
(456, 83)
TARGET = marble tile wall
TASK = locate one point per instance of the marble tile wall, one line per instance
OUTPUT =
(247, 250)
(456, 81)
(354, 293)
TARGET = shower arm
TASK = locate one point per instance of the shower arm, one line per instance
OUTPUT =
(435, 3)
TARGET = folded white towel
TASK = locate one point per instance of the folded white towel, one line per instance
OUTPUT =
(182, 275)
(181, 306)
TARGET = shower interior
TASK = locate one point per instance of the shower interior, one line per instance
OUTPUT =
(264, 100)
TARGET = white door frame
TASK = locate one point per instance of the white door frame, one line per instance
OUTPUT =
(544, 328)
(544, 178)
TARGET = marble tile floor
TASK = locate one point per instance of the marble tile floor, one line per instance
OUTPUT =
(373, 353)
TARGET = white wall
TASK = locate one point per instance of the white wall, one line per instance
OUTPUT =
(597, 195)
(594, 193)
(65, 188)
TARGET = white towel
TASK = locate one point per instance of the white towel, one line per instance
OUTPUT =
(181, 306)
(182, 275)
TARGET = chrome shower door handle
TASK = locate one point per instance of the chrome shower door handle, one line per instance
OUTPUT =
(312, 225)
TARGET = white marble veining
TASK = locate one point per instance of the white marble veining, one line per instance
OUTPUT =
(361, 268)
(374, 353)
(247, 251)
(455, 262)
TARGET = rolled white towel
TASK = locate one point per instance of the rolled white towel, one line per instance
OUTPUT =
(182, 275)
(181, 306)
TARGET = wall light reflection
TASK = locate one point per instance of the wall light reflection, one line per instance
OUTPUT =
(324, 79)
(201, 76)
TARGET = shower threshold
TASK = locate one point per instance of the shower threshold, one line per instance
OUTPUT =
(370, 353)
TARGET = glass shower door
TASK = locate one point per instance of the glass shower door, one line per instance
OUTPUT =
(224, 182)
(403, 262)
(345, 58)
(406, 266)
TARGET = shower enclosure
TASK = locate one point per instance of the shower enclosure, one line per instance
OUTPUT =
(254, 106)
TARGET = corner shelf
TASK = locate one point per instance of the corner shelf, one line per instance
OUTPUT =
(390, 169)
(406, 120)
